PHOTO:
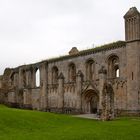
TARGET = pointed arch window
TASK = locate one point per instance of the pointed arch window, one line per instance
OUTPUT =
(54, 75)
(72, 72)
(12, 79)
(90, 68)
(37, 77)
(117, 73)
(113, 67)
(24, 78)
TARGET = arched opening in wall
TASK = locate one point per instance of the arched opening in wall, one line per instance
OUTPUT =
(55, 75)
(12, 79)
(117, 73)
(37, 78)
(24, 78)
(90, 102)
(90, 69)
(113, 67)
(72, 72)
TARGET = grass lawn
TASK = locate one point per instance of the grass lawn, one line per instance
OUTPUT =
(16, 124)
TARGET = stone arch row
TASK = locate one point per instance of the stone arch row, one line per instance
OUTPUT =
(113, 66)
(113, 69)
(71, 73)
(27, 76)
(90, 66)
(30, 76)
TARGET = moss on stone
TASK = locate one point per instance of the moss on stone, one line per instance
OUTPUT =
(105, 47)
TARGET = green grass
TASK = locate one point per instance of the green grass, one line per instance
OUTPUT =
(16, 124)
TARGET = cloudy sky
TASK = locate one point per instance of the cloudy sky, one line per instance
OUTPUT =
(34, 30)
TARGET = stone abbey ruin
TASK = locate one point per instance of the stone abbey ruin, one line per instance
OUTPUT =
(104, 80)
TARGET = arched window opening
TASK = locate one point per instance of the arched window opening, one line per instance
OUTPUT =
(12, 79)
(117, 73)
(72, 73)
(37, 78)
(24, 78)
(132, 76)
(113, 67)
(89, 69)
(54, 75)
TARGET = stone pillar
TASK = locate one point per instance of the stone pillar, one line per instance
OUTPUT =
(33, 77)
(102, 80)
(61, 92)
(43, 86)
(107, 102)
(28, 77)
(106, 96)
(79, 78)
(27, 98)
(20, 78)
(15, 79)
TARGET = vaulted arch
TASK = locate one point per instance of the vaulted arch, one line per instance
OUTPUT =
(90, 69)
(55, 73)
(90, 101)
(113, 66)
(12, 78)
(72, 72)
(24, 77)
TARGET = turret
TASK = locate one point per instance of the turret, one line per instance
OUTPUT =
(132, 36)
(132, 25)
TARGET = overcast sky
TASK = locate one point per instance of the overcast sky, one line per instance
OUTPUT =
(34, 30)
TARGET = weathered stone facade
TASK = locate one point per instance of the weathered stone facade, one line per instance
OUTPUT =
(103, 80)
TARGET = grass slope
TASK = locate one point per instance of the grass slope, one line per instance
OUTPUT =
(16, 124)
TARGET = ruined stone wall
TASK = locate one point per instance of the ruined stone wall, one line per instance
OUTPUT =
(100, 59)
(24, 93)
(69, 83)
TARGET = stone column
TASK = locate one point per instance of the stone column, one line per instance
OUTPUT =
(27, 91)
(61, 92)
(106, 97)
(102, 80)
(107, 102)
(28, 77)
(20, 78)
(79, 78)
(27, 98)
(15, 79)
(43, 86)
(33, 77)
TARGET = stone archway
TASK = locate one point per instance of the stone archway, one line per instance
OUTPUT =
(90, 102)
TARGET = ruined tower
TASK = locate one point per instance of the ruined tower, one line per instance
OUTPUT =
(132, 37)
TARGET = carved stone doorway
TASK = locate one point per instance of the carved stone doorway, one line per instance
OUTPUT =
(93, 105)
(90, 102)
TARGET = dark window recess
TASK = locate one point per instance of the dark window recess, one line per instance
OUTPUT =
(132, 76)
